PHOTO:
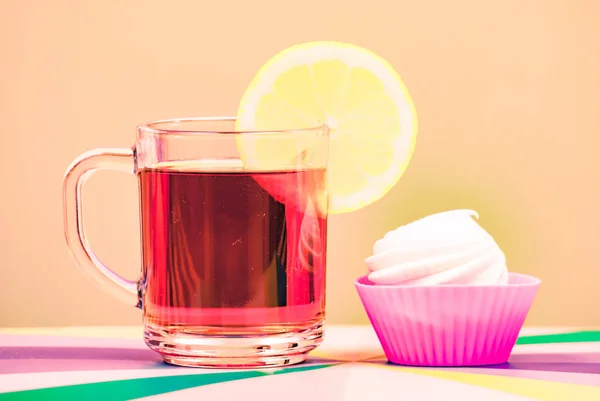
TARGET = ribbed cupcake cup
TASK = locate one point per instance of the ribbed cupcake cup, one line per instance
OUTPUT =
(448, 325)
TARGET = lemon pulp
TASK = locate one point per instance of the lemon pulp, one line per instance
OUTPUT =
(357, 94)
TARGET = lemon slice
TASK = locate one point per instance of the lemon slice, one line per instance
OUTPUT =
(357, 94)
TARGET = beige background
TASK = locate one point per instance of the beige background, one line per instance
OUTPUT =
(507, 92)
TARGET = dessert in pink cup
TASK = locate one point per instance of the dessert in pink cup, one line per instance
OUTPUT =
(438, 293)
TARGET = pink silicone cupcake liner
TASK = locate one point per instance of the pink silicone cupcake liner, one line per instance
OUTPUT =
(448, 325)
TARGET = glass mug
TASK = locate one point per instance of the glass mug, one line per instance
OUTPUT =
(233, 238)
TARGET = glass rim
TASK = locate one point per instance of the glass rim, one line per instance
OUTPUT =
(154, 128)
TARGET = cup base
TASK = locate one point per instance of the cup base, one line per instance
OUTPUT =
(235, 363)
(201, 347)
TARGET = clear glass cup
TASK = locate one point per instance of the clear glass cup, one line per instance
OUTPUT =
(233, 234)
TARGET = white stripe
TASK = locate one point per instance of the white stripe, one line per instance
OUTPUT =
(349, 382)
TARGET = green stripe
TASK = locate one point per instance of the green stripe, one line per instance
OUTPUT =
(305, 368)
(575, 337)
(118, 390)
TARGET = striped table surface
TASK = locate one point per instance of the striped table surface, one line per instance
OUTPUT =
(113, 363)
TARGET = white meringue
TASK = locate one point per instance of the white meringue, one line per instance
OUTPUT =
(443, 248)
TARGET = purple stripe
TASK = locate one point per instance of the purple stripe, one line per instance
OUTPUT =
(563, 357)
(574, 368)
(16, 359)
(65, 365)
(578, 368)
(20, 340)
(76, 353)
(588, 362)
(47, 359)
(571, 367)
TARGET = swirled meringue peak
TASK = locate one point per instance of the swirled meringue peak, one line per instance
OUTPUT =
(443, 248)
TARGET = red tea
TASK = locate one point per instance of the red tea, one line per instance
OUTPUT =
(233, 252)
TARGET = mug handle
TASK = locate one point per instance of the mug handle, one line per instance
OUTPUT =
(120, 159)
